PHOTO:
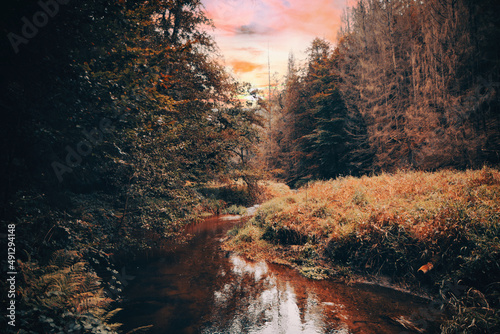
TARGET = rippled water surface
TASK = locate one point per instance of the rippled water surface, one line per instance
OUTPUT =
(199, 289)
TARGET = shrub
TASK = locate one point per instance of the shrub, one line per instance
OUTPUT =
(64, 295)
(235, 210)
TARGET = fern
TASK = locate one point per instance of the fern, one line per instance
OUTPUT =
(88, 301)
(65, 287)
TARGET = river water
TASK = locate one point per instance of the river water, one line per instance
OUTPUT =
(197, 288)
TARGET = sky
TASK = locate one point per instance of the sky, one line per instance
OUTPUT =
(247, 31)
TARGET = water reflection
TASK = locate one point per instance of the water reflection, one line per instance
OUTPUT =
(266, 304)
(199, 289)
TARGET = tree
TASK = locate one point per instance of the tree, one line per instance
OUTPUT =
(118, 98)
(408, 72)
(310, 132)
(326, 144)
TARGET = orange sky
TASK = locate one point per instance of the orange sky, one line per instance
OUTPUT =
(245, 29)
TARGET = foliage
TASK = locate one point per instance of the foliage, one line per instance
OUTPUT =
(232, 193)
(135, 105)
(316, 273)
(111, 111)
(410, 84)
(235, 210)
(420, 82)
(310, 131)
(234, 196)
(63, 296)
(391, 225)
(472, 314)
(270, 189)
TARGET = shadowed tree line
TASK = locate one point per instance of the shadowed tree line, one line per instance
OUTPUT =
(123, 98)
(112, 113)
(409, 84)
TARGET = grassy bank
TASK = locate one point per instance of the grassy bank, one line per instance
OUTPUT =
(424, 230)
(233, 196)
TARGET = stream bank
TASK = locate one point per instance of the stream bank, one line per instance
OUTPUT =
(431, 232)
(199, 288)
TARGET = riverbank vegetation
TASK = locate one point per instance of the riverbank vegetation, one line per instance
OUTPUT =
(114, 118)
(234, 195)
(422, 229)
(120, 125)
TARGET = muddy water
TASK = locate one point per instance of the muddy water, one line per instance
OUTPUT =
(199, 289)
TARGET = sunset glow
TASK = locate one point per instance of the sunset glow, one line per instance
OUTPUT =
(249, 31)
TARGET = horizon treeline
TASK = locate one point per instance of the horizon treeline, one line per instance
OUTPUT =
(409, 84)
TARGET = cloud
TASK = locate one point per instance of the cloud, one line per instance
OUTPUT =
(268, 17)
(246, 30)
(319, 18)
(228, 15)
(252, 50)
(253, 29)
(242, 66)
(250, 31)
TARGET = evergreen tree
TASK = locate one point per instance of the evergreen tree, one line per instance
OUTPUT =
(313, 142)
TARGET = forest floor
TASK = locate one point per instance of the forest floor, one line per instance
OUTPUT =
(434, 232)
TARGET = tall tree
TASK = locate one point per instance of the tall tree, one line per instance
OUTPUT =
(326, 142)
(312, 139)
(118, 97)
(411, 72)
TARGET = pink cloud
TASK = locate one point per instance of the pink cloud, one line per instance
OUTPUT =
(272, 16)
(227, 15)
(242, 66)
(252, 50)
(318, 18)
(246, 30)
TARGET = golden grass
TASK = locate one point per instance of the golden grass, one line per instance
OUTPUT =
(271, 189)
(248, 241)
(390, 224)
(411, 199)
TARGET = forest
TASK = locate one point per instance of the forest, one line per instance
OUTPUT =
(408, 85)
(119, 126)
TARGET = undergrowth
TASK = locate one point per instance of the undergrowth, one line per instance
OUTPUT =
(63, 296)
(392, 225)
(232, 196)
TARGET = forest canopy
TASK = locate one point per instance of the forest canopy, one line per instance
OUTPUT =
(123, 98)
(409, 84)
(113, 115)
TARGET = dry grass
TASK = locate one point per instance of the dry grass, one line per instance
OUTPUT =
(271, 189)
(224, 197)
(391, 224)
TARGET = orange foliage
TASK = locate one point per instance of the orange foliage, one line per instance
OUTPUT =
(434, 210)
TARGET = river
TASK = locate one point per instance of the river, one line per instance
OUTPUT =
(197, 288)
